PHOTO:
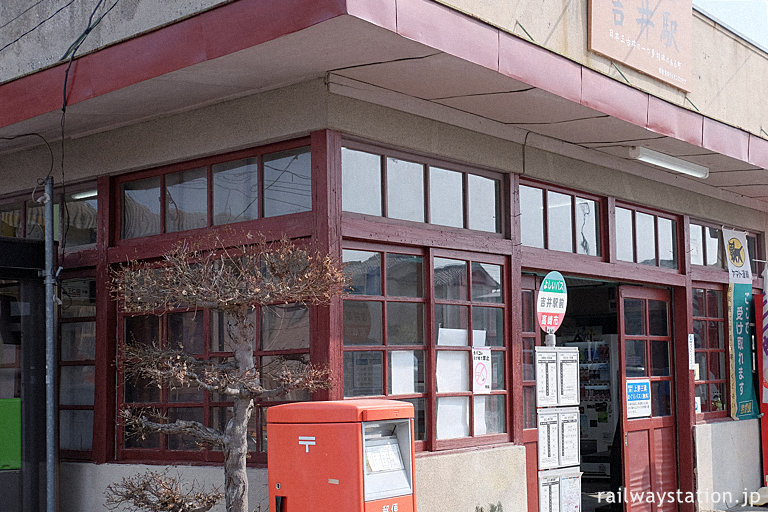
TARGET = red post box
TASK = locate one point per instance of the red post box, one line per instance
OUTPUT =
(347, 455)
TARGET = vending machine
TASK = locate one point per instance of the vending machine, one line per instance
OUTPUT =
(350, 455)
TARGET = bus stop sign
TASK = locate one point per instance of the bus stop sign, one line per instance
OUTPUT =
(551, 302)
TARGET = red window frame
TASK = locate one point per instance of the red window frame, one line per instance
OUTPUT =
(708, 292)
(676, 234)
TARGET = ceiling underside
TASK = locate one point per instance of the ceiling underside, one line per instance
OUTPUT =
(391, 70)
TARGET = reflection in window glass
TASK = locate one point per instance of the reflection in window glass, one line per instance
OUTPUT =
(78, 341)
(697, 245)
(446, 197)
(497, 370)
(661, 398)
(484, 200)
(532, 216)
(646, 238)
(489, 324)
(529, 407)
(634, 315)
(405, 323)
(76, 385)
(405, 276)
(450, 279)
(667, 243)
(660, 358)
(451, 325)
(587, 227)
(235, 191)
(625, 235)
(287, 182)
(635, 358)
(363, 271)
(181, 442)
(186, 200)
(489, 414)
(362, 323)
(78, 298)
(712, 237)
(285, 327)
(657, 318)
(275, 365)
(185, 331)
(80, 218)
(486, 283)
(36, 221)
(363, 373)
(420, 418)
(559, 227)
(360, 182)
(141, 208)
(10, 221)
(75, 430)
(405, 190)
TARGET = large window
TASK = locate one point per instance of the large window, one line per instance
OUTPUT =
(645, 238)
(217, 191)
(711, 355)
(281, 337)
(416, 331)
(407, 188)
(559, 221)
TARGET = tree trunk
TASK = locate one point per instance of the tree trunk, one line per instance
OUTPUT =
(235, 457)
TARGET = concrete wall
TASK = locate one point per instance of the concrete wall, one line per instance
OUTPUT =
(727, 462)
(458, 481)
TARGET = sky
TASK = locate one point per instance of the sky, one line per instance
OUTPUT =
(747, 18)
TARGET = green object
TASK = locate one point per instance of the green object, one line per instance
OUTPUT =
(10, 433)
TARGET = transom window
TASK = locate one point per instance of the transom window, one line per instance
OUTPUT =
(415, 331)
(559, 221)
(387, 185)
(220, 191)
(707, 247)
(710, 349)
(645, 238)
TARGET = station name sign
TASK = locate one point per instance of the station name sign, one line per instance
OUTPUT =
(653, 37)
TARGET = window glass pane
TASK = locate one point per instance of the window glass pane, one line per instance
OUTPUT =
(185, 394)
(76, 385)
(701, 360)
(625, 235)
(287, 182)
(75, 430)
(420, 418)
(698, 302)
(284, 327)
(529, 372)
(362, 323)
(405, 323)
(405, 190)
(497, 369)
(235, 191)
(657, 318)
(185, 331)
(527, 310)
(484, 204)
(452, 417)
(714, 303)
(715, 335)
(186, 200)
(488, 327)
(78, 341)
(667, 245)
(451, 325)
(699, 334)
(646, 238)
(697, 245)
(363, 270)
(78, 297)
(529, 407)
(489, 414)
(660, 398)
(486, 283)
(635, 358)
(559, 222)
(142, 330)
(140, 390)
(220, 340)
(446, 197)
(221, 415)
(716, 366)
(634, 316)
(713, 247)
(752, 249)
(181, 442)
(717, 392)
(406, 372)
(135, 440)
(531, 216)
(701, 394)
(660, 358)
(274, 366)
(405, 275)
(587, 227)
(362, 374)
(36, 221)
(141, 207)
(360, 182)
(10, 221)
(452, 371)
(80, 218)
(450, 279)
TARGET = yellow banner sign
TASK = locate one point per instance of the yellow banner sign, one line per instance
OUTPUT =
(651, 36)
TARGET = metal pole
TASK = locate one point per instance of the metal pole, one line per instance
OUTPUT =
(50, 353)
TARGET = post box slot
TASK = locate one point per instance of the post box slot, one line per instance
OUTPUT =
(387, 459)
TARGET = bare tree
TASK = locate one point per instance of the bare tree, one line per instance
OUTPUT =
(233, 281)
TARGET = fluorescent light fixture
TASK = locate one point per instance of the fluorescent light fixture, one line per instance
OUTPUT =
(667, 162)
(84, 195)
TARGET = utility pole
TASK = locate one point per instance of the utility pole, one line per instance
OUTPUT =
(50, 354)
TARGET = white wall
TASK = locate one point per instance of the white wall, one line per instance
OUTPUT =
(727, 461)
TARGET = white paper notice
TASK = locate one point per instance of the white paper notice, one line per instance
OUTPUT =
(481, 370)
(569, 437)
(452, 417)
(691, 352)
(570, 492)
(383, 457)
(568, 366)
(478, 338)
(549, 438)
(452, 371)
(549, 492)
(546, 377)
(403, 369)
(480, 427)
(452, 337)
